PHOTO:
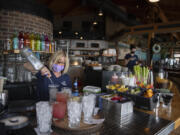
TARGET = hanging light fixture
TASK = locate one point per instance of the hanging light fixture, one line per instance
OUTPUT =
(100, 13)
(60, 32)
(153, 1)
(95, 23)
(76, 33)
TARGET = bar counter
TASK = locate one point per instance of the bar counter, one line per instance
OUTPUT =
(141, 122)
(172, 113)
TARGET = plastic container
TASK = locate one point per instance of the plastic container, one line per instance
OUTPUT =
(146, 103)
(91, 89)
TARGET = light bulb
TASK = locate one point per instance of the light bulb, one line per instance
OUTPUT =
(154, 1)
(100, 13)
(94, 23)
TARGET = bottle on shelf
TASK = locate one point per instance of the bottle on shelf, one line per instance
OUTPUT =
(7, 44)
(50, 46)
(15, 41)
(32, 42)
(42, 44)
(46, 43)
(26, 39)
(37, 42)
(21, 40)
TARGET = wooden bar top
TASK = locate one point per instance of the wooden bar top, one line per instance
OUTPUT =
(171, 113)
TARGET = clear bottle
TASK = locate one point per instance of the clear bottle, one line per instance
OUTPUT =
(7, 44)
(75, 85)
(29, 55)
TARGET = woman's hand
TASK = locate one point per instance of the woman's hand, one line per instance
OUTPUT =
(45, 71)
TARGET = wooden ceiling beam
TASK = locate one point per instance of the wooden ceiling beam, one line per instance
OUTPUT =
(168, 27)
(163, 17)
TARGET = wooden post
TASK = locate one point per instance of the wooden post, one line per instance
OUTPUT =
(149, 52)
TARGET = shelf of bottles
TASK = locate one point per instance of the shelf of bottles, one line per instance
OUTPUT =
(36, 42)
(12, 64)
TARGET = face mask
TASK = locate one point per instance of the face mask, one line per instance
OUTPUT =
(57, 68)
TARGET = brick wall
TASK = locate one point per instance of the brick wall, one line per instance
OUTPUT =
(11, 21)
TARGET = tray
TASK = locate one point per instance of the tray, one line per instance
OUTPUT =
(63, 125)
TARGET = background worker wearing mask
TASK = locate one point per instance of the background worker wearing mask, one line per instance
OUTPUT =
(131, 59)
(56, 70)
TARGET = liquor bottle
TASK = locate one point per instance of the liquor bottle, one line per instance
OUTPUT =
(37, 42)
(32, 42)
(46, 43)
(42, 44)
(26, 39)
(15, 41)
(7, 44)
(50, 46)
(75, 85)
(30, 56)
(21, 40)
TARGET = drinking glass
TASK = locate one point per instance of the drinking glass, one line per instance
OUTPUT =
(44, 116)
(53, 89)
(62, 97)
(166, 100)
(74, 106)
(88, 102)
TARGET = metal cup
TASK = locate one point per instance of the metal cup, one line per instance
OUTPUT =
(4, 97)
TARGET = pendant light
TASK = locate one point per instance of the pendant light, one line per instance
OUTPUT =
(100, 13)
(153, 1)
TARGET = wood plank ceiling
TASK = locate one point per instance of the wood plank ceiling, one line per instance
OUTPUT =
(140, 8)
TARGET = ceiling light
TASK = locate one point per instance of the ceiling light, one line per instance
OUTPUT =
(60, 32)
(76, 33)
(100, 13)
(81, 37)
(95, 23)
(154, 1)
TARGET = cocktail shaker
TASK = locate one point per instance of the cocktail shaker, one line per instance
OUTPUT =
(29, 55)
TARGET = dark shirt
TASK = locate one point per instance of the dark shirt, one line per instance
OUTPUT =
(43, 82)
(131, 63)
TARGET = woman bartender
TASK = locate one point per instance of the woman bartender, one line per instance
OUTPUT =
(56, 71)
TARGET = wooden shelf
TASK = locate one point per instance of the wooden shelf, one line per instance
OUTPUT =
(109, 55)
(87, 55)
(85, 49)
(18, 51)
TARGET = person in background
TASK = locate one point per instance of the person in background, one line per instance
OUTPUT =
(54, 73)
(131, 58)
